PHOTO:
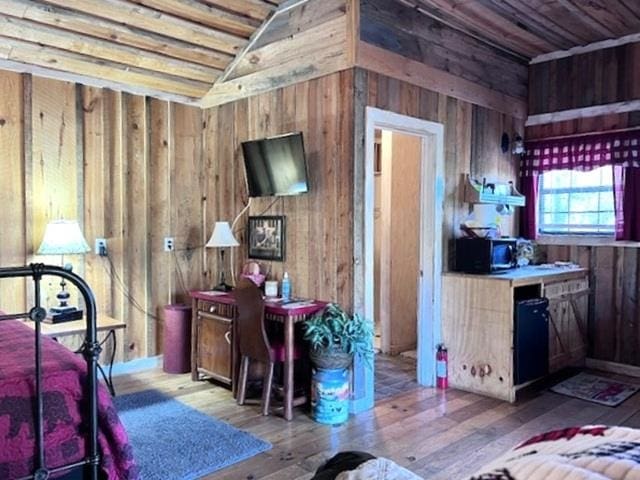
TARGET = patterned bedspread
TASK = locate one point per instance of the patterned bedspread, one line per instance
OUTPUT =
(580, 453)
(63, 372)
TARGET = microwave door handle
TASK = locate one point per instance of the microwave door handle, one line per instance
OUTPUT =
(512, 254)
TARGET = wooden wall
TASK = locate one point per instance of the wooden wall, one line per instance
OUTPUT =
(319, 224)
(472, 142)
(594, 78)
(395, 27)
(130, 169)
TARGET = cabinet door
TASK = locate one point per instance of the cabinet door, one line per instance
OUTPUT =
(568, 308)
(214, 346)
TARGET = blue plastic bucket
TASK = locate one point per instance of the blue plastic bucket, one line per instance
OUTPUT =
(330, 396)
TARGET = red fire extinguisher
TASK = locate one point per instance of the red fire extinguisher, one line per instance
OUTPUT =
(442, 380)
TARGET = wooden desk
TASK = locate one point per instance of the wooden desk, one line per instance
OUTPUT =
(213, 315)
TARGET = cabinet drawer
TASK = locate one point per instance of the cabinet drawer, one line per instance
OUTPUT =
(554, 290)
(214, 308)
(213, 355)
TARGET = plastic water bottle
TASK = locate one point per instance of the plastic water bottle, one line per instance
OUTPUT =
(286, 286)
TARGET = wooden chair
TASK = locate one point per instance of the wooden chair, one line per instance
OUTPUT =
(253, 342)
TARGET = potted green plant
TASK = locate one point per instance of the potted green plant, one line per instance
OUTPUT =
(336, 337)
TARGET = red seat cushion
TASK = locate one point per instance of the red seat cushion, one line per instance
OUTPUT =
(278, 351)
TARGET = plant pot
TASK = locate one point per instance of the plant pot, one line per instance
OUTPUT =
(329, 359)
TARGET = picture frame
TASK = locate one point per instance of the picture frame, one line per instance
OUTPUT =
(267, 237)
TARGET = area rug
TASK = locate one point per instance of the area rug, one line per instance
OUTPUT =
(596, 389)
(174, 441)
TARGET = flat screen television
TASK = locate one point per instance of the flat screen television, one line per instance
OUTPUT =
(276, 166)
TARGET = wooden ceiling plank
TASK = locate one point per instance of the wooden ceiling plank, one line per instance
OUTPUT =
(44, 72)
(147, 19)
(96, 27)
(587, 19)
(609, 15)
(632, 7)
(210, 16)
(251, 8)
(548, 27)
(488, 24)
(52, 37)
(25, 52)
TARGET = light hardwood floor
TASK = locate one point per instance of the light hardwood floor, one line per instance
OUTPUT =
(439, 435)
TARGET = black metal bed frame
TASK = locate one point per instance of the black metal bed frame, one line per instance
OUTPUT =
(91, 352)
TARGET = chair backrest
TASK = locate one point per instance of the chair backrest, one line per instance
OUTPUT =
(252, 336)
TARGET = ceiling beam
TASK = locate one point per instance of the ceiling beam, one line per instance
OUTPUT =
(54, 59)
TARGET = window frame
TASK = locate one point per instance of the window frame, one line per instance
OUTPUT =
(570, 233)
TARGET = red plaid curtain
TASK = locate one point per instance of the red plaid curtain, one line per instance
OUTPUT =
(620, 150)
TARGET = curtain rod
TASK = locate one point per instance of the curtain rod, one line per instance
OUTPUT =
(576, 135)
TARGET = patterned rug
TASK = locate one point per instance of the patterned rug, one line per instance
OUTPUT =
(174, 441)
(593, 388)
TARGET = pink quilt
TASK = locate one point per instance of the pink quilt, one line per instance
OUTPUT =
(63, 374)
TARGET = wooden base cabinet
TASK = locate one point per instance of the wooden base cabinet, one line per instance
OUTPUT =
(478, 313)
(212, 329)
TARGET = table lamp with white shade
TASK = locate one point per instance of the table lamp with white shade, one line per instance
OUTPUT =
(63, 237)
(222, 237)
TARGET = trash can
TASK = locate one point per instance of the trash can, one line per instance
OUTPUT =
(177, 339)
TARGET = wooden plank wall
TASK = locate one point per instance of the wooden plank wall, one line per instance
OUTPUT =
(472, 143)
(129, 169)
(594, 78)
(319, 253)
(603, 76)
(390, 25)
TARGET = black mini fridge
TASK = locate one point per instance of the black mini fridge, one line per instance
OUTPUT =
(531, 349)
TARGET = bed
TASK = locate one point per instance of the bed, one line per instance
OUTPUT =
(55, 417)
(580, 453)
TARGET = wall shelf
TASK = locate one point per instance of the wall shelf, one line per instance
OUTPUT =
(492, 192)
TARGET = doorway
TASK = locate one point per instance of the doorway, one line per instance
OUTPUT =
(429, 227)
(397, 168)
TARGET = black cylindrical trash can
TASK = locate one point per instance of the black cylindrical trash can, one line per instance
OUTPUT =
(177, 339)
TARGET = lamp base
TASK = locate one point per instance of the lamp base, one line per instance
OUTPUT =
(63, 314)
(223, 287)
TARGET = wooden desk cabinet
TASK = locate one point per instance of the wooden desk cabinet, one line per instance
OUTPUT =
(478, 324)
(212, 345)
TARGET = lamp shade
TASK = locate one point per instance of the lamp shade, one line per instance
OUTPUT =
(63, 237)
(222, 236)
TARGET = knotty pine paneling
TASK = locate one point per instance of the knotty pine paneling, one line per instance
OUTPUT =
(472, 143)
(595, 78)
(130, 170)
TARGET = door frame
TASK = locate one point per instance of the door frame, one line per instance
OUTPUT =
(432, 190)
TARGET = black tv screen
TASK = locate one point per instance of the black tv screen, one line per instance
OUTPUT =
(276, 166)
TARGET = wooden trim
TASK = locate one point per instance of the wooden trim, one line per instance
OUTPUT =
(92, 81)
(591, 47)
(353, 29)
(575, 113)
(613, 367)
(255, 37)
(584, 241)
(396, 66)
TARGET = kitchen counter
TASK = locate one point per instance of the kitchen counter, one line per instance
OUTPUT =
(528, 275)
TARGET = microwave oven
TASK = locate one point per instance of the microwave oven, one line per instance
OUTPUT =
(485, 255)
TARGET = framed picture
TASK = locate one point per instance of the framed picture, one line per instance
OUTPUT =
(266, 237)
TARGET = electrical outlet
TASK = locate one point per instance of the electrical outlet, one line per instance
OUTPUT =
(101, 247)
(168, 244)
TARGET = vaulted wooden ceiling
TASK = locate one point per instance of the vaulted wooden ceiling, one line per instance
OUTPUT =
(172, 47)
(534, 27)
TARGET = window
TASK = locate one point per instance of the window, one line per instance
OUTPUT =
(576, 203)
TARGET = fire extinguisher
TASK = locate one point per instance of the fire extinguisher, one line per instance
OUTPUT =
(442, 380)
